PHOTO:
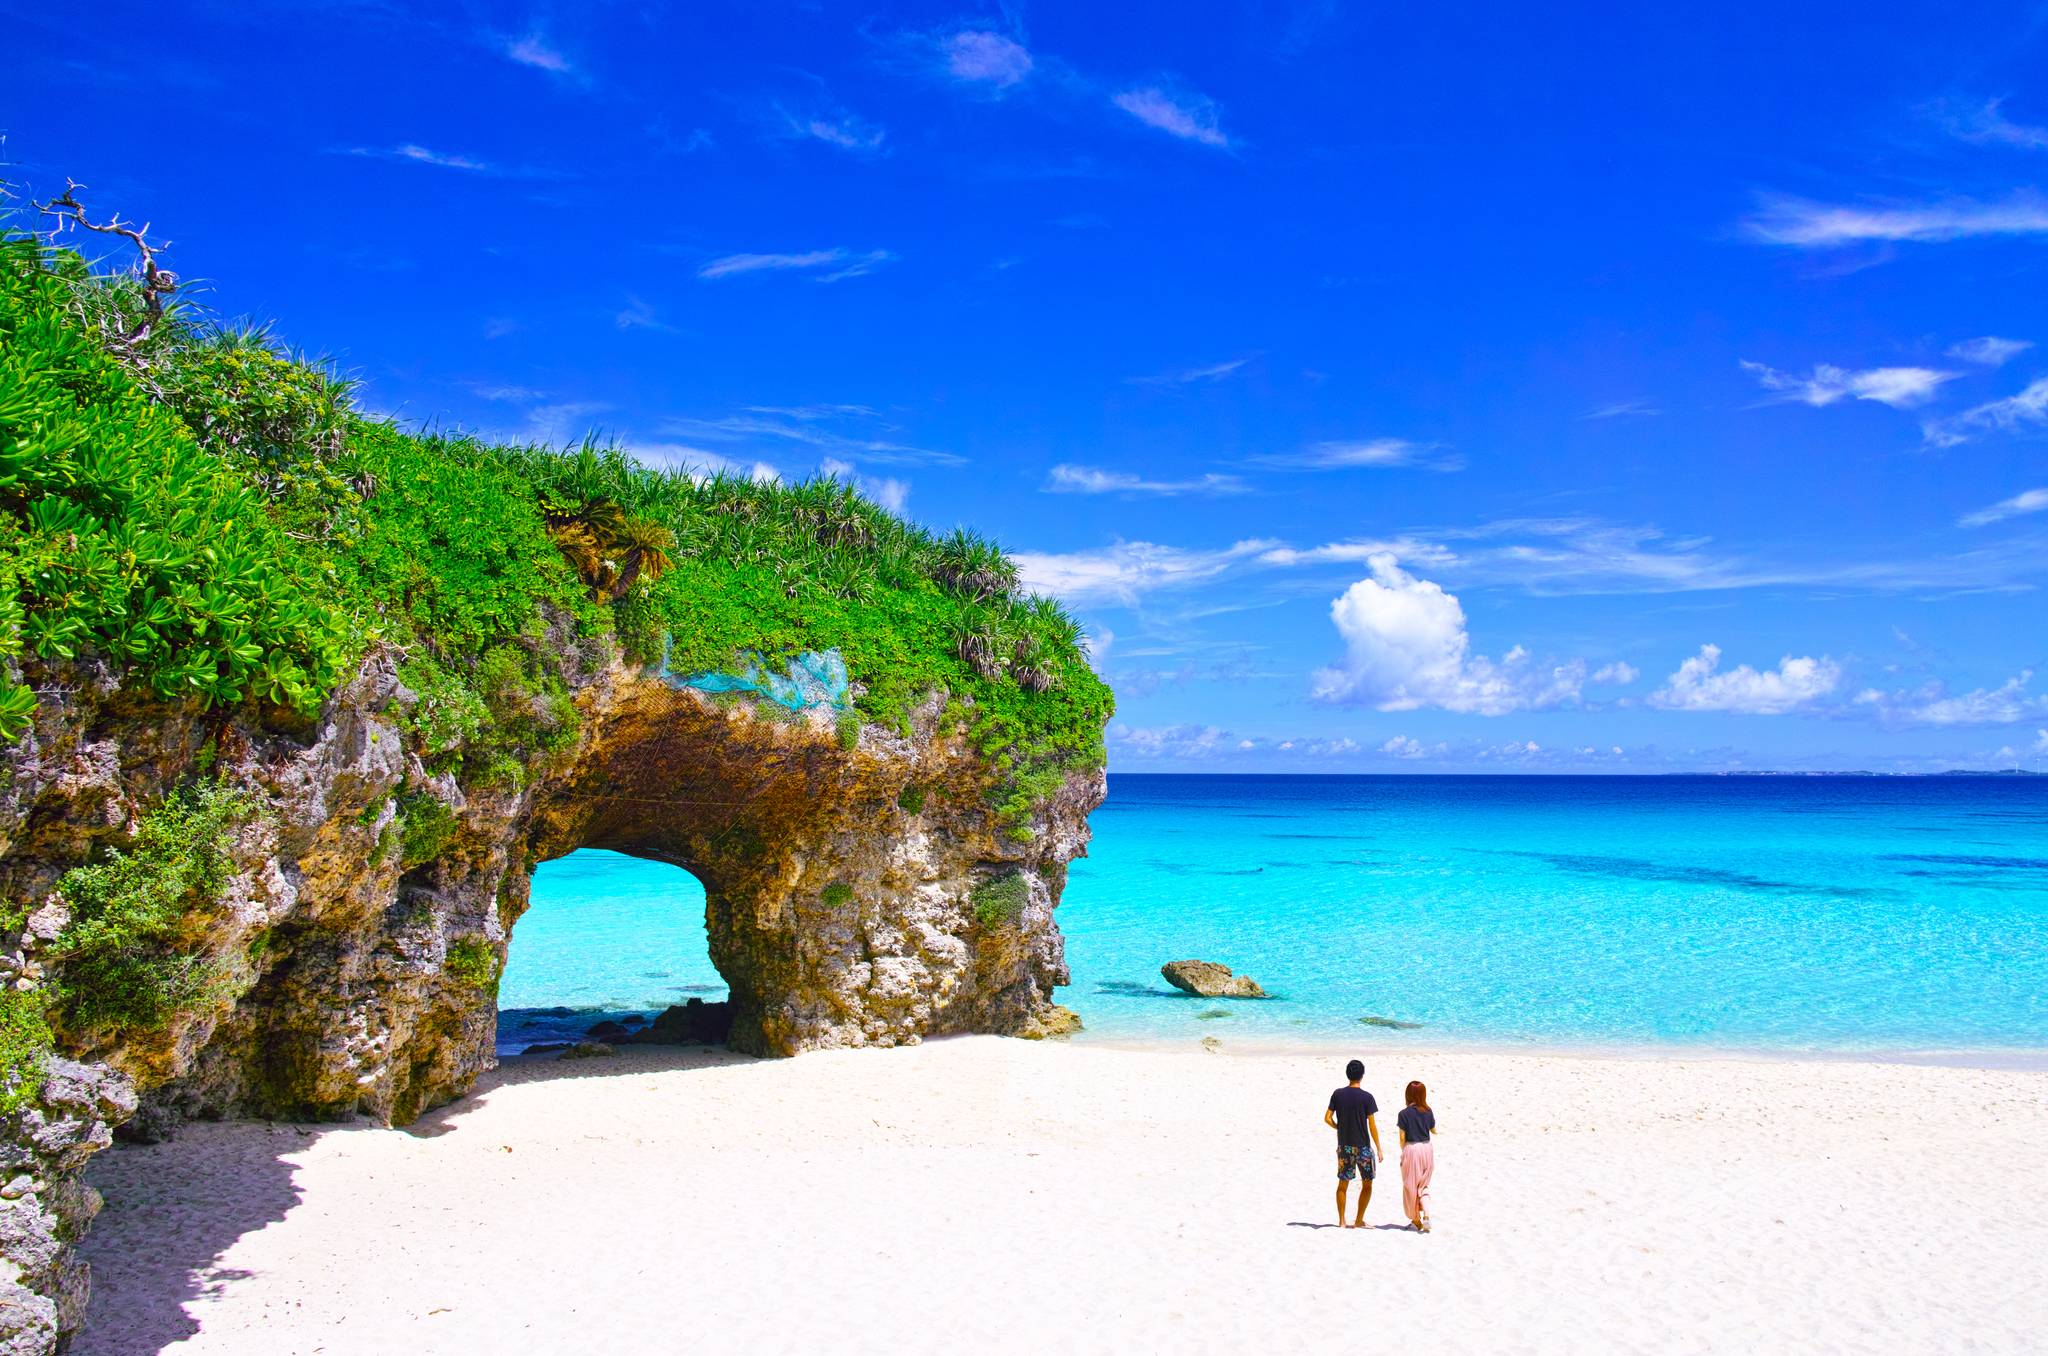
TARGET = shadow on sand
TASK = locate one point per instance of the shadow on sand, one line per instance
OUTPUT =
(174, 1209)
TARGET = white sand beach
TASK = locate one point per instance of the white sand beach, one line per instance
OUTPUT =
(995, 1195)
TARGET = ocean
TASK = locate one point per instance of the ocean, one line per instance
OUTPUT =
(1869, 915)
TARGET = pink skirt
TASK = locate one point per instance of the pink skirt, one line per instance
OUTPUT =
(1418, 1164)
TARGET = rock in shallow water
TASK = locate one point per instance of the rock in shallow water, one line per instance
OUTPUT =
(1391, 1023)
(695, 1022)
(1207, 979)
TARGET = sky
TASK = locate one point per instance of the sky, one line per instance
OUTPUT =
(1387, 388)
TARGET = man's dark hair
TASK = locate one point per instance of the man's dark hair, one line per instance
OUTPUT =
(1355, 1070)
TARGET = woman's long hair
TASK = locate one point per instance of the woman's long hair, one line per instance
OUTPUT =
(1418, 1095)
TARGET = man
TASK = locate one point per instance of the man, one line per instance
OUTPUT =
(1351, 1113)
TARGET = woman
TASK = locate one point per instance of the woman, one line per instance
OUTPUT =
(1418, 1156)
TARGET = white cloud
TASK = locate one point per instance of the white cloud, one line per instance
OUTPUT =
(817, 427)
(1990, 350)
(1617, 673)
(1623, 408)
(982, 57)
(1209, 372)
(834, 127)
(1986, 124)
(638, 314)
(893, 495)
(827, 265)
(2027, 501)
(1070, 479)
(1898, 387)
(1406, 647)
(1931, 704)
(1812, 225)
(1699, 685)
(415, 154)
(1403, 746)
(1169, 741)
(1189, 116)
(1096, 643)
(533, 50)
(1127, 571)
(1354, 454)
(2010, 415)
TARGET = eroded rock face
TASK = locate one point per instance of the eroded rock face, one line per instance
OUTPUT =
(837, 916)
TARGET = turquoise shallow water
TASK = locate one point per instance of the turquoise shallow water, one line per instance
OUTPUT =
(1794, 914)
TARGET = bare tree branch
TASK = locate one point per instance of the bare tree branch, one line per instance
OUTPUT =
(157, 283)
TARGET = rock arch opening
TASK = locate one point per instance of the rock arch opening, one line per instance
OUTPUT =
(612, 948)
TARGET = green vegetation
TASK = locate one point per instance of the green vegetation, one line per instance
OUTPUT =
(911, 799)
(1001, 900)
(25, 1042)
(472, 962)
(429, 824)
(836, 895)
(131, 954)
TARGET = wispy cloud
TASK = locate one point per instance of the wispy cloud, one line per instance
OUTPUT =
(1623, 409)
(1067, 478)
(413, 154)
(1986, 124)
(639, 314)
(825, 266)
(1898, 387)
(2013, 414)
(2027, 501)
(699, 463)
(518, 395)
(1192, 375)
(1990, 350)
(834, 127)
(893, 495)
(1183, 114)
(1127, 571)
(535, 51)
(1932, 704)
(846, 432)
(1812, 225)
(1374, 453)
(978, 56)
(1700, 684)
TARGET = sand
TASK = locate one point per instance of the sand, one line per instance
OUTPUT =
(991, 1195)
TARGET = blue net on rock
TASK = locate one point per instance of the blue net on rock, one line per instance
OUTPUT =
(810, 680)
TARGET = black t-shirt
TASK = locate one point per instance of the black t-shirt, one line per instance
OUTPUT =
(1416, 1122)
(1354, 1106)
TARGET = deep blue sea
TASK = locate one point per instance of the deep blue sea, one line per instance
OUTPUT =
(1880, 915)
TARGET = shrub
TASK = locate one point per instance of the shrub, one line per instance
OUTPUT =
(429, 824)
(25, 1043)
(472, 962)
(1002, 899)
(130, 956)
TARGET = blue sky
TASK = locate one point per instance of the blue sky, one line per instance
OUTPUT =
(1386, 389)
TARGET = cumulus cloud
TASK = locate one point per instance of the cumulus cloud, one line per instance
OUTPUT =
(1813, 225)
(1406, 647)
(1990, 350)
(1127, 571)
(1183, 114)
(981, 57)
(699, 464)
(1933, 704)
(824, 265)
(1170, 741)
(2012, 414)
(1096, 644)
(1353, 454)
(1403, 746)
(1067, 478)
(1898, 387)
(1617, 673)
(2026, 501)
(1701, 685)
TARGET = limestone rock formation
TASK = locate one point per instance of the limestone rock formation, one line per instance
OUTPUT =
(1207, 979)
(358, 984)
